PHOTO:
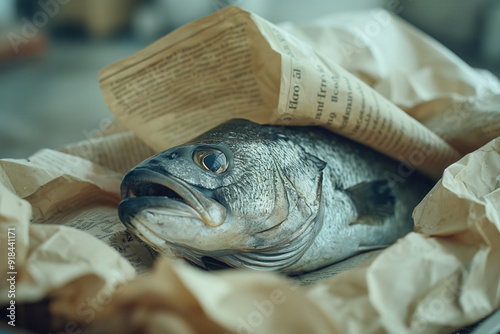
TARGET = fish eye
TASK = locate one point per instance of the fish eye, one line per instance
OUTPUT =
(211, 159)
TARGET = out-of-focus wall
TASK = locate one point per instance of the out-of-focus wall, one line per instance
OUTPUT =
(7, 11)
(468, 27)
(166, 15)
(297, 11)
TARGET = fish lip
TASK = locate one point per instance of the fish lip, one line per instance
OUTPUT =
(131, 206)
(209, 211)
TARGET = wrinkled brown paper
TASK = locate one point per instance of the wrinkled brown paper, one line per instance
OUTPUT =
(71, 247)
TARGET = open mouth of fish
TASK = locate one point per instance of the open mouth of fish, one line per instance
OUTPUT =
(156, 196)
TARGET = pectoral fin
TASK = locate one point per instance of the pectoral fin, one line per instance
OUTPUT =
(374, 201)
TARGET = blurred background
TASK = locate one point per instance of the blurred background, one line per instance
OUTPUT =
(52, 50)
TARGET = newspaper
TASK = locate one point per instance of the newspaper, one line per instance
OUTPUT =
(234, 64)
(58, 209)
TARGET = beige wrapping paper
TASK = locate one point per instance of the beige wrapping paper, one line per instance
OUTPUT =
(47, 256)
(443, 276)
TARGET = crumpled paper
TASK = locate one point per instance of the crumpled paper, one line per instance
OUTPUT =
(438, 279)
(53, 186)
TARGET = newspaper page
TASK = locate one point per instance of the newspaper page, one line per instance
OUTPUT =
(118, 152)
(234, 64)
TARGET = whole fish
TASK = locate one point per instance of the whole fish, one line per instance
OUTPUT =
(291, 199)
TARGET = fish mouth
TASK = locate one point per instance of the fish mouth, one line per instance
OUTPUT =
(145, 189)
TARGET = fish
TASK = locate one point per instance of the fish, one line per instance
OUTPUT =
(274, 198)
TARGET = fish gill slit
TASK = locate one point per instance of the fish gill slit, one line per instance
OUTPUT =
(272, 227)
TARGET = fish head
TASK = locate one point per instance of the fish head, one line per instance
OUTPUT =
(241, 193)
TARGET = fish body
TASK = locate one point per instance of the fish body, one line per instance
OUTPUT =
(291, 199)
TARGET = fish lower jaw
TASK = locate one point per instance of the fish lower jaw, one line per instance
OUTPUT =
(159, 215)
(149, 237)
(152, 228)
